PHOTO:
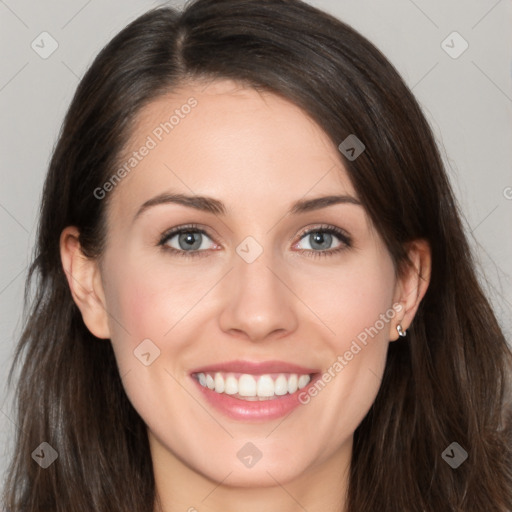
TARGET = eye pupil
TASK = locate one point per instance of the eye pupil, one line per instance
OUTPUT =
(322, 238)
(190, 240)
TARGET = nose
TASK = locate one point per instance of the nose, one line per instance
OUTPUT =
(259, 302)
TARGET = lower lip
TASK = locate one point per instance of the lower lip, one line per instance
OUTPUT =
(259, 410)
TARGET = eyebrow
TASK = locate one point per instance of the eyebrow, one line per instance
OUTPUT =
(211, 205)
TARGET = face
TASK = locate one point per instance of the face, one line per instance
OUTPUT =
(250, 281)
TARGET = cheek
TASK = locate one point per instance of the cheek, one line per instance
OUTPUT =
(356, 304)
(352, 299)
(150, 298)
(141, 305)
(144, 304)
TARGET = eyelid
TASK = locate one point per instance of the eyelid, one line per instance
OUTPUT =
(185, 227)
(341, 234)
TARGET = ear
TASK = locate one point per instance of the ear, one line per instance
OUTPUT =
(412, 285)
(84, 281)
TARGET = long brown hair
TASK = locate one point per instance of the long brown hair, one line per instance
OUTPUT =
(449, 382)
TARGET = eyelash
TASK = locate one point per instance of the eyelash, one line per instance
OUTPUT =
(345, 240)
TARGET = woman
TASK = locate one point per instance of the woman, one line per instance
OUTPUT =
(254, 291)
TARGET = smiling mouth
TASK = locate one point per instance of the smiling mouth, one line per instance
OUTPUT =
(249, 387)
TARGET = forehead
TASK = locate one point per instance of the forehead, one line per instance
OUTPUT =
(249, 148)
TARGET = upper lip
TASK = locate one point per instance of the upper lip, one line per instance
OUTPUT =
(256, 368)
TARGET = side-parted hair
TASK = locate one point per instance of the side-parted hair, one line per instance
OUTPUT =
(449, 382)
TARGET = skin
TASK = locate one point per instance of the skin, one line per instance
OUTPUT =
(257, 153)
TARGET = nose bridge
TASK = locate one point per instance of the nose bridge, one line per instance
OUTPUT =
(252, 271)
(258, 302)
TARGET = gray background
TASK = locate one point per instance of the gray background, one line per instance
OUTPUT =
(467, 100)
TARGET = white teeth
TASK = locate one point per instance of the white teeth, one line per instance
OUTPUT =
(264, 386)
(209, 381)
(247, 385)
(231, 385)
(219, 383)
(303, 381)
(281, 385)
(292, 383)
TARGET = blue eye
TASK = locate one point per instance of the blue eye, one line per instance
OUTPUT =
(321, 237)
(190, 241)
(189, 238)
